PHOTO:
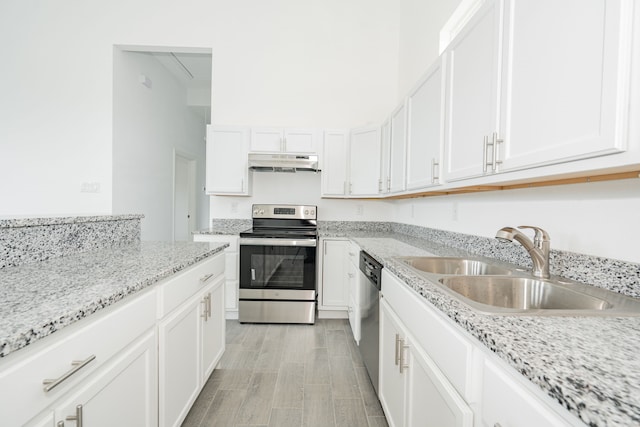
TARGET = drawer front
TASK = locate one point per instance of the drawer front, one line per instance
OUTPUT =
(102, 335)
(509, 404)
(180, 287)
(444, 344)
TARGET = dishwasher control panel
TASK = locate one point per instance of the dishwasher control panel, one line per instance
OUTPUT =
(371, 268)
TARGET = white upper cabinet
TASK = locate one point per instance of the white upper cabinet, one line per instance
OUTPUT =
(227, 170)
(290, 140)
(472, 89)
(424, 129)
(537, 83)
(565, 80)
(398, 149)
(364, 158)
(384, 184)
(335, 154)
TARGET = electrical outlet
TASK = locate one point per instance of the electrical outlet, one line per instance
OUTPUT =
(454, 211)
(413, 210)
(234, 207)
(359, 210)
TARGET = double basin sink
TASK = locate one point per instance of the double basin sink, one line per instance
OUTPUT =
(493, 289)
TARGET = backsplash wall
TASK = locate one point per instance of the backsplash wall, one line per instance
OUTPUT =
(29, 240)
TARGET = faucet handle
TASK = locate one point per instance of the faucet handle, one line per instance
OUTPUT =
(540, 235)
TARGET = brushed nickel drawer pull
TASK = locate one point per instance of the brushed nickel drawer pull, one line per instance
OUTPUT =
(77, 365)
(206, 277)
(397, 348)
(403, 365)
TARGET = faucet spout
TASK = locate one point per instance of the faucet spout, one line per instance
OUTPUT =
(539, 249)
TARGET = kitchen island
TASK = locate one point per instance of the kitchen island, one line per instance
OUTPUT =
(38, 299)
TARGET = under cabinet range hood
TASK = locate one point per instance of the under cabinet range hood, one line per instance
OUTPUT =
(283, 162)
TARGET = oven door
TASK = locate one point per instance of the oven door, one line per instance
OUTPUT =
(277, 264)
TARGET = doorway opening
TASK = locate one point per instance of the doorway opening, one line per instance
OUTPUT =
(185, 214)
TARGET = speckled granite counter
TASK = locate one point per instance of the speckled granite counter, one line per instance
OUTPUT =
(226, 226)
(591, 365)
(39, 298)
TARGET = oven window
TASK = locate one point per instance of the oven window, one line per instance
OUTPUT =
(277, 267)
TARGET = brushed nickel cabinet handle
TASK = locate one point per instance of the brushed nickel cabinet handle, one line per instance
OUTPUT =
(403, 366)
(50, 384)
(205, 278)
(435, 176)
(209, 305)
(397, 348)
(77, 417)
(485, 154)
(495, 161)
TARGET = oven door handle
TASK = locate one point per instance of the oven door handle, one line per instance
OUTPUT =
(310, 243)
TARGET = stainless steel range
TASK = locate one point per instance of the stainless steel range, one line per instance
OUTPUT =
(278, 265)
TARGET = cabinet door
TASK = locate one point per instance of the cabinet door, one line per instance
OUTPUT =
(472, 87)
(391, 388)
(300, 140)
(179, 364)
(334, 165)
(364, 158)
(213, 327)
(335, 288)
(227, 170)
(384, 183)
(432, 400)
(398, 149)
(123, 392)
(565, 82)
(424, 139)
(267, 139)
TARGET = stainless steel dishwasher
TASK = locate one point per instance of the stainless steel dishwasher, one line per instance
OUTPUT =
(370, 315)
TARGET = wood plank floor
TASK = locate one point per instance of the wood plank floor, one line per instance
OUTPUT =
(288, 375)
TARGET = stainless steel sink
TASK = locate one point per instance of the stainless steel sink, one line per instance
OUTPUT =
(494, 289)
(454, 266)
(524, 295)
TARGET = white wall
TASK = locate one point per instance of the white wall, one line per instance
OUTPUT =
(299, 188)
(149, 124)
(283, 62)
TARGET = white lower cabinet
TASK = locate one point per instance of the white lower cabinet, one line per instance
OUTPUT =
(413, 391)
(334, 279)
(433, 374)
(353, 274)
(122, 391)
(231, 270)
(143, 360)
(189, 348)
(506, 403)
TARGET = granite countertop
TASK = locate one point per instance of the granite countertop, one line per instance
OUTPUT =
(40, 298)
(591, 365)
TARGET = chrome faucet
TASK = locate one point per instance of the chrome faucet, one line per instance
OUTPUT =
(539, 249)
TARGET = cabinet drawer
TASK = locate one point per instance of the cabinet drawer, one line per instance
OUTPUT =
(509, 404)
(181, 286)
(446, 346)
(102, 335)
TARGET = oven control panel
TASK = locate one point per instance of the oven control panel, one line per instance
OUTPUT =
(285, 211)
